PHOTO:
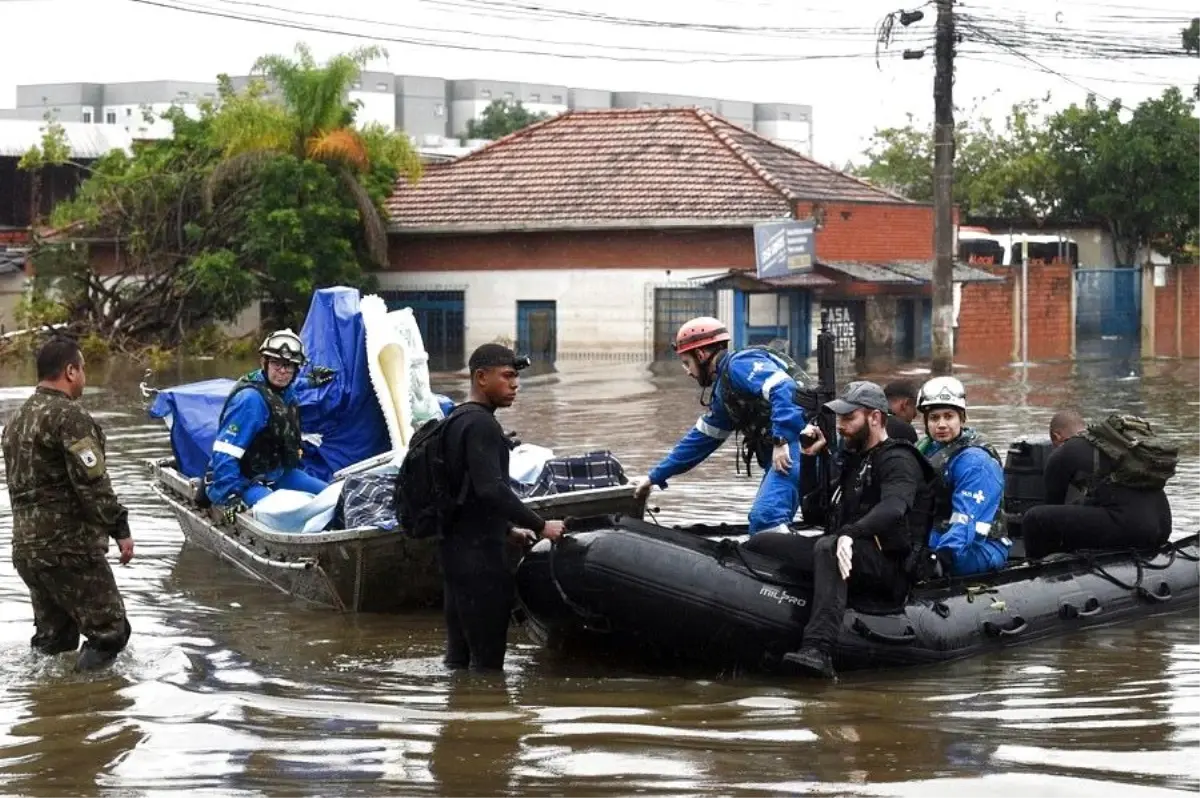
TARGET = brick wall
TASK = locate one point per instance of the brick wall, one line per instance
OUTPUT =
(852, 232)
(985, 319)
(1187, 280)
(874, 232)
(583, 249)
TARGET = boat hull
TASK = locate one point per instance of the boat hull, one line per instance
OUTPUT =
(670, 594)
(351, 570)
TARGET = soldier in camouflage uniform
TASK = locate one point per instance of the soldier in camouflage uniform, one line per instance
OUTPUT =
(64, 511)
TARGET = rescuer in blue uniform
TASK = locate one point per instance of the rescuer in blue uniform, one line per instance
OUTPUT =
(754, 394)
(971, 495)
(257, 449)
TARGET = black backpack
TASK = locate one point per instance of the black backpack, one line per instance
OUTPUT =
(425, 503)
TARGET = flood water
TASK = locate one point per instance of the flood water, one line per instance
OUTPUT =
(229, 688)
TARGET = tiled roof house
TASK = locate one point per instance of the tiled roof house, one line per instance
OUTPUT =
(595, 233)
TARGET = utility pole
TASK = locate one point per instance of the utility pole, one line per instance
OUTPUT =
(943, 190)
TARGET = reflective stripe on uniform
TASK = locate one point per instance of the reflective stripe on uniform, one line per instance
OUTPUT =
(982, 528)
(960, 518)
(710, 430)
(771, 382)
(224, 447)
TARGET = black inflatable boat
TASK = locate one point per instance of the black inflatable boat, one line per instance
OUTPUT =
(693, 595)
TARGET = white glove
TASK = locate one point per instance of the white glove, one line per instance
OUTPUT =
(845, 545)
(641, 487)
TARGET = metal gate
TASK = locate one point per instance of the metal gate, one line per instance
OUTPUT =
(440, 316)
(673, 307)
(1108, 312)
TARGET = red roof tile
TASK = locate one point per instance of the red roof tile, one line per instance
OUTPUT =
(617, 167)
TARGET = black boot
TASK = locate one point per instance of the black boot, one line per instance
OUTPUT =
(97, 654)
(65, 640)
(813, 661)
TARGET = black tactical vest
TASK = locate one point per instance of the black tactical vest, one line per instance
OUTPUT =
(859, 491)
(751, 414)
(278, 444)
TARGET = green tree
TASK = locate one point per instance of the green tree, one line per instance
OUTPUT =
(285, 213)
(54, 150)
(500, 118)
(299, 108)
(998, 172)
(1138, 177)
(1191, 46)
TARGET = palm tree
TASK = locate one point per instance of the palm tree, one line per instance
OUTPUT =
(310, 118)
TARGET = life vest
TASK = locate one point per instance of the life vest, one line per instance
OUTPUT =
(858, 491)
(941, 460)
(751, 414)
(277, 445)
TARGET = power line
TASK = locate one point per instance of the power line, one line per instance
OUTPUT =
(312, 28)
(759, 56)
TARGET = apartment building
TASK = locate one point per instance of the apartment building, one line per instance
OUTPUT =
(433, 111)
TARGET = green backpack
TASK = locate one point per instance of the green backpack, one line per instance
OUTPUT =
(1140, 458)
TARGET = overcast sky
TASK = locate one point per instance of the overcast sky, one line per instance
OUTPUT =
(823, 58)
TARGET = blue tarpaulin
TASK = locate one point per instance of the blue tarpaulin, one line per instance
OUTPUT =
(194, 410)
(344, 412)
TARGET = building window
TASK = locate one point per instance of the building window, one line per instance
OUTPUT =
(439, 110)
(128, 112)
(485, 93)
(535, 98)
(383, 86)
(556, 99)
(785, 115)
(110, 117)
(508, 95)
(87, 116)
(356, 84)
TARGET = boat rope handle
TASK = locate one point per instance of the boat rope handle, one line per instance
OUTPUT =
(583, 612)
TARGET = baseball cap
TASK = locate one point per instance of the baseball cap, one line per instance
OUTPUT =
(495, 356)
(860, 394)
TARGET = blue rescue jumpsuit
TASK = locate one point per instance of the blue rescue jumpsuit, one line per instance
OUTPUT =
(976, 485)
(755, 373)
(245, 417)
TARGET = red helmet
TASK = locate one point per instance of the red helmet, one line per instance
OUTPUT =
(700, 332)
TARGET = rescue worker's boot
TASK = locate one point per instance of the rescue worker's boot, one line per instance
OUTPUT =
(98, 653)
(813, 661)
(59, 642)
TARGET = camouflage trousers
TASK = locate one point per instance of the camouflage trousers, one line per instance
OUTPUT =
(73, 594)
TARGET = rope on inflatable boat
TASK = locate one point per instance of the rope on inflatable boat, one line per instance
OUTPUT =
(588, 617)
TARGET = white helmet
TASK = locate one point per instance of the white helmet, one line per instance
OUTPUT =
(942, 392)
(284, 345)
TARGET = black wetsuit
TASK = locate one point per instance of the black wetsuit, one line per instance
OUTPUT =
(479, 586)
(1109, 517)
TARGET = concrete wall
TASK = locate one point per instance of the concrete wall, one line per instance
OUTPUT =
(601, 313)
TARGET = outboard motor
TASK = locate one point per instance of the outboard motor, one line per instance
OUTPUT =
(1024, 486)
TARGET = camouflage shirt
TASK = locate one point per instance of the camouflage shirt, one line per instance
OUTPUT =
(62, 499)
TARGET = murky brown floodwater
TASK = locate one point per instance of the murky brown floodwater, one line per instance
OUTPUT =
(229, 688)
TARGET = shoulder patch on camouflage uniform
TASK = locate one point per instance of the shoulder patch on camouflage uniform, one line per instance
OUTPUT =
(90, 455)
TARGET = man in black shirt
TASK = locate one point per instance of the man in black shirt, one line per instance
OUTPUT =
(902, 409)
(1083, 510)
(479, 587)
(881, 509)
